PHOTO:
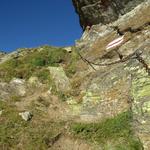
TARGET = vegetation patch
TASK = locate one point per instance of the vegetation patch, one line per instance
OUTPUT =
(15, 133)
(43, 75)
(15, 98)
(114, 129)
(71, 67)
(33, 62)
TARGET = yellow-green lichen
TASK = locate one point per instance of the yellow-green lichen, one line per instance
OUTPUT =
(74, 106)
(76, 109)
(141, 93)
(146, 107)
(92, 98)
(89, 98)
(140, 87)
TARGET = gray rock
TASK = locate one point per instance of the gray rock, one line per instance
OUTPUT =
(4, 91)
(68, 49)
(18, 86)
(60, 79)
(95, 41)
(26, 115)
(93, 12)
(117, 87)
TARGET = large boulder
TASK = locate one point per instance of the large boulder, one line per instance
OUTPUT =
(18, 86)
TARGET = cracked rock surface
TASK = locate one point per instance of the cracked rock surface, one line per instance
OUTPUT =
(120, 86)
(102, 11)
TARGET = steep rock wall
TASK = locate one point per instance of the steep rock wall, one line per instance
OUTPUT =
(102, 11)
(117, 85)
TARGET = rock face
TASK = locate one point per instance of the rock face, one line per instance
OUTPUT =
(116, 85)
(61, 81)
(93, 12)
(16, 88)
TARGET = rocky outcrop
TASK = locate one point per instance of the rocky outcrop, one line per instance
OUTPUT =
(62, 82)
(95, 41)
(93, 12)
(13, 90)
(112, 84)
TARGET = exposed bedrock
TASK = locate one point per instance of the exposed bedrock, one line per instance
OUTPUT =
(93, 12)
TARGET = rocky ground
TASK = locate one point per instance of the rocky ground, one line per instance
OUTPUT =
(52, 98)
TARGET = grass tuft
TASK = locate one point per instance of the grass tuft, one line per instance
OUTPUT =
(114, 129)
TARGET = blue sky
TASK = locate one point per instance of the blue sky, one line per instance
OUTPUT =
(32, 23)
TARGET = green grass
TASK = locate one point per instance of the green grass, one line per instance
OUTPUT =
(115, 129)
(27, 65)
(43, 75)
(72, 64)
(15, 98)
(36, 62)
(15, 133)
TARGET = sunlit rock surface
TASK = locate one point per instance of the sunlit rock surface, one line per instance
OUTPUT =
(117, 87)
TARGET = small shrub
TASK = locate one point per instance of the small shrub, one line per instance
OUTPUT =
(38, 61)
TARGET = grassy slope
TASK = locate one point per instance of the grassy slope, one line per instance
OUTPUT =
(16, 133)
(35, 63)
